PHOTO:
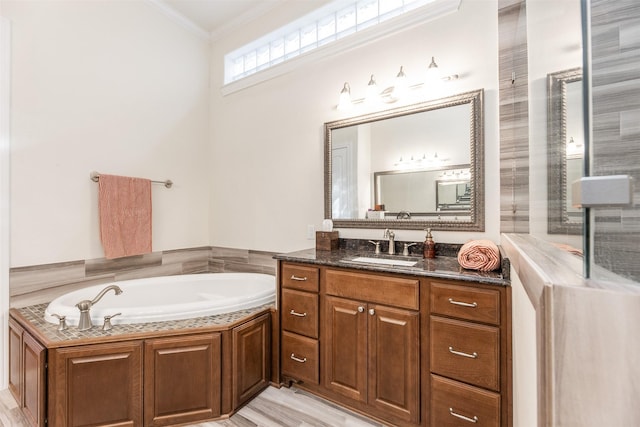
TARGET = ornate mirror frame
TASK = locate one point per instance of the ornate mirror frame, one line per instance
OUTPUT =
(558, 220)
(476, 143)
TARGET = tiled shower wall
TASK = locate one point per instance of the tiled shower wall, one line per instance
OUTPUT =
(42, 283)
(615, 44)
(514, 117)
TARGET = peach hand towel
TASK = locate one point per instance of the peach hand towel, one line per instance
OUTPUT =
(482, 255)
(124, 205)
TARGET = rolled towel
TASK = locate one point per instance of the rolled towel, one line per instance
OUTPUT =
(482, 255)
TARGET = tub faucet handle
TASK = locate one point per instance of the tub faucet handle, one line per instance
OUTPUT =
(63, 321)
(107, 326)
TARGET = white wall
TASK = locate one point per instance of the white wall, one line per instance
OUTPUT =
(267, 159)
(111, 86)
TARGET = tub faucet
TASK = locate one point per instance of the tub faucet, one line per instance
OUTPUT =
(85, 305)
(392, 244)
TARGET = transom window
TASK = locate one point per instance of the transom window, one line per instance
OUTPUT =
(332, 22)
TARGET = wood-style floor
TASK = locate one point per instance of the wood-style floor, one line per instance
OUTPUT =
(272, 408)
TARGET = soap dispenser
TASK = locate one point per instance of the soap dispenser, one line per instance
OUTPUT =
(429, 246)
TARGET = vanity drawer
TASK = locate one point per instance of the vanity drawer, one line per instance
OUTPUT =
(391, 291)
(300, 358)
(455, 404)
(300, 277)
(300, 312)
(466, 351)
(464, 302)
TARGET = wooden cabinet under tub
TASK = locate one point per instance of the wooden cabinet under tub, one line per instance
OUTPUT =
(407, 350)
(150, 378)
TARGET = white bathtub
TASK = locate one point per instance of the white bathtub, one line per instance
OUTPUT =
(168, 298)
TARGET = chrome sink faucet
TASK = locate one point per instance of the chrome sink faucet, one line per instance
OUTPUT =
(392, 244)
(85, 305)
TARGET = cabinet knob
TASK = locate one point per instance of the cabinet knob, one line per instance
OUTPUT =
(372, 311)
(361, 309)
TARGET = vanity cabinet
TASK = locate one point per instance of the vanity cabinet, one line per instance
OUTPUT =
(405, 350)
(470, 331)
(152, 378)
(27, 368)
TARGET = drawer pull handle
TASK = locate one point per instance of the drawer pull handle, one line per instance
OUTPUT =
(299, 279)
(462, 417)
(295, 313)
(297, 359)
(474, 355)
(464, 304)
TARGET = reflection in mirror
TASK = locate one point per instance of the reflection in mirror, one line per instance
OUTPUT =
(565, 148)
(397, 158)
(413, 195)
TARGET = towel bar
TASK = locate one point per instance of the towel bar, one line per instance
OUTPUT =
(95, 177)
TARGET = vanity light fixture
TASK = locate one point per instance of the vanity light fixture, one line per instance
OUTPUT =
(400, 88)
(372, 91)
(401, 84)
(345, 97)
(433, 73)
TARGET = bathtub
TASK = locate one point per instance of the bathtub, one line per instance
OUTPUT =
(168, 298)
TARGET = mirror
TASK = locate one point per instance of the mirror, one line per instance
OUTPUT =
(565, 149)
(411, 167)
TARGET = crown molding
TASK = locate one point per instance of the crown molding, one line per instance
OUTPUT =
(180, 19)
(245, 18)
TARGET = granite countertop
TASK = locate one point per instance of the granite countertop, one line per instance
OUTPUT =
(443, 266)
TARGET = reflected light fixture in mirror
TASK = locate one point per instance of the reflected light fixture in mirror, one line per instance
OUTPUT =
(393, 93)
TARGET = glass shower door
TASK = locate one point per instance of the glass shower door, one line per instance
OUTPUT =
(613, 232)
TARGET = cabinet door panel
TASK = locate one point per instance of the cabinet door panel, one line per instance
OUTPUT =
(465, 302)
(300, 277)
(15, 361)
(345, 348)
(182, 379)
(96, 385)
(300, 312)
(394, 360)
(33, 362)
(465, 351)
(454, 404)
(251, 359)
(300, 357)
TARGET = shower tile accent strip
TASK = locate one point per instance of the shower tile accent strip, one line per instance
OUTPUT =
(514, 117)
(42, 283)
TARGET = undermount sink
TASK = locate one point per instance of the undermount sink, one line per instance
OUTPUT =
(383, 261)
